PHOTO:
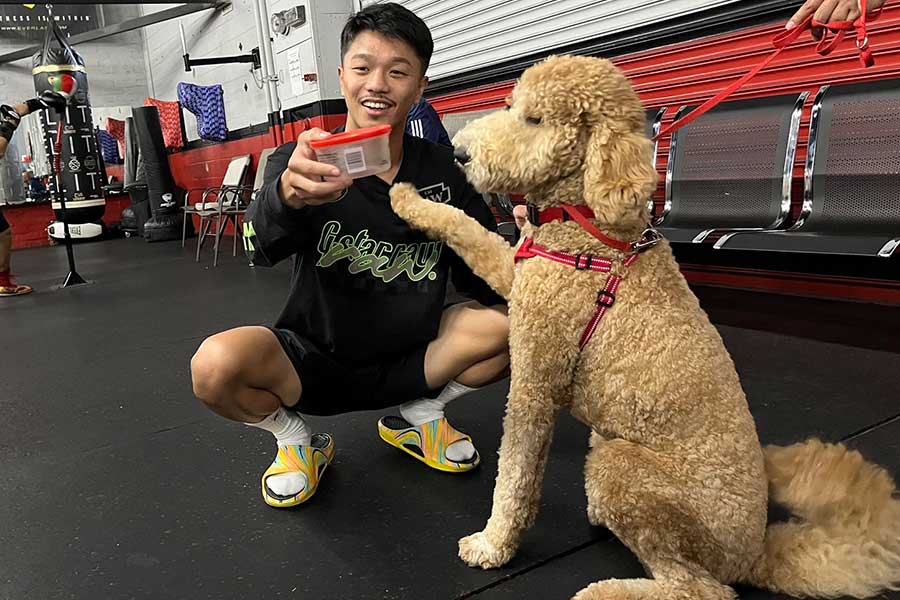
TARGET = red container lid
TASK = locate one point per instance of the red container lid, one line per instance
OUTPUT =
(357, 135)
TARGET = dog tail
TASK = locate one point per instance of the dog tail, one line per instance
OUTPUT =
(846, 539)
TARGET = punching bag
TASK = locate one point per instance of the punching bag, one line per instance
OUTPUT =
(135, 183)
(58, 67)
(164, 196)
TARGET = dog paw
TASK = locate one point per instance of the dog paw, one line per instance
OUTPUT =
(477, 550)
(403, 197)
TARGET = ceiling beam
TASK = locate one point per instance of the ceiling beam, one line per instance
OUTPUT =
(117, 28)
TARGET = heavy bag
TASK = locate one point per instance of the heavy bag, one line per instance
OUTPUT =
(58, 67)
(135, 178)
(165, 197)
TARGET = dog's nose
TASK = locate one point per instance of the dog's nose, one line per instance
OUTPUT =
(461, 155)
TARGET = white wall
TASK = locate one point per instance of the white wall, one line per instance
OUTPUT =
(207, 34)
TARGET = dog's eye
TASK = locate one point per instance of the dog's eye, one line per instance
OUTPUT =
(533, 120)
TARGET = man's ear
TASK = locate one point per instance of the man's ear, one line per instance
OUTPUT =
(341, 81)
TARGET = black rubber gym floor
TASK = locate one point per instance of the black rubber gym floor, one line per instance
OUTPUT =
(117, 483)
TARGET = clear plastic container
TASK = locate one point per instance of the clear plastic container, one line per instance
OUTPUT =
(358, 153)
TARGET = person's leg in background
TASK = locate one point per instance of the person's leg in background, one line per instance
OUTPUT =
(7, 287)
(10, 116)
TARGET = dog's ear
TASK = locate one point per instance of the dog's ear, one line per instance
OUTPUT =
(619, 175)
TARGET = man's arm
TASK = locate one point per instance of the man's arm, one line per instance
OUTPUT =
(294, 183)
(272, 230)
(10, 116)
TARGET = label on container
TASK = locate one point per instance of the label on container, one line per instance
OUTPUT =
(355, 159)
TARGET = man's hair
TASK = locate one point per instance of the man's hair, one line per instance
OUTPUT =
(393, 21)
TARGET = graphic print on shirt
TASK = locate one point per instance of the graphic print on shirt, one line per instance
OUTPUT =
(383, 260)
(439, 192)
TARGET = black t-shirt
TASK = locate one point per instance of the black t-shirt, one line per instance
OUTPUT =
(365, 284)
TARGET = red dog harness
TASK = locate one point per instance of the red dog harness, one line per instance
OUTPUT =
(587, 262)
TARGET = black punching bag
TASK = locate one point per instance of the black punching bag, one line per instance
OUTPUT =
(135, 183)
(164, 196)
(58, 67)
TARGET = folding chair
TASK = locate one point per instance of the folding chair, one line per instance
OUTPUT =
(227, 203)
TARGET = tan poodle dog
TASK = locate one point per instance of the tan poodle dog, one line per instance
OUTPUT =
(675, 468)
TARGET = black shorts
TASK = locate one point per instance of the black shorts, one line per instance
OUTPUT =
(331, 388)
(3, 224)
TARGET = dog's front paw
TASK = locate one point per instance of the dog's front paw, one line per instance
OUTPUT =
(403, 197)
(477, 550)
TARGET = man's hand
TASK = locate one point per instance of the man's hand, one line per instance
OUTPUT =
(303, 183)
(51, 99)
(46, 99)
(520, 214)
(831, 11)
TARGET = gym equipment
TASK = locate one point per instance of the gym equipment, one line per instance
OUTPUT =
(164, 197)
(69, 136)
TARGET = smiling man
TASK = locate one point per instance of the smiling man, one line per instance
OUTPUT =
(367, 323)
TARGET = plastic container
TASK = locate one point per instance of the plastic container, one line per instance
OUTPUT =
(358, 153)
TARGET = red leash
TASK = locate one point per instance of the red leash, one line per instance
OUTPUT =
(781, 42)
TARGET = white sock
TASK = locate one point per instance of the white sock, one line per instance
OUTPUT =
(424, 410)
(289, 429)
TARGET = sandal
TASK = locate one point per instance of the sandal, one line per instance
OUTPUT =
(310, 460)
(15, 290)
(427, 442)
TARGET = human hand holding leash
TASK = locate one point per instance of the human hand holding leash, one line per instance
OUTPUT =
(831, 11)
(304, 181)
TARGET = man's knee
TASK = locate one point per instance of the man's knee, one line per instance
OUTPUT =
(214, 369)
(490, 327)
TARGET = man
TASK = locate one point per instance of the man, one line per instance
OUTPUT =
(9, 120)
(424, 122)
(365, 325)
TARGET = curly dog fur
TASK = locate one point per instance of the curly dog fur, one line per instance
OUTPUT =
(675, 468)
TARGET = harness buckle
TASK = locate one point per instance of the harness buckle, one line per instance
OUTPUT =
(649, 238)
(589, 259)
(605, 298)
(534, 214)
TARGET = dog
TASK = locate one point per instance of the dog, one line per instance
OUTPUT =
(675, 468)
